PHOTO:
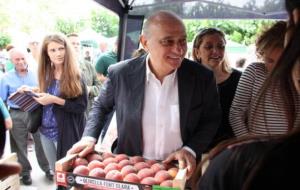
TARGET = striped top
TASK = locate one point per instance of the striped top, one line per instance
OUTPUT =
(269, 117)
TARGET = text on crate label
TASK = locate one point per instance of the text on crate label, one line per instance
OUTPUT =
(97, 183)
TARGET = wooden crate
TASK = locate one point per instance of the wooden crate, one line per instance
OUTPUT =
(12, 182)
(64, 177)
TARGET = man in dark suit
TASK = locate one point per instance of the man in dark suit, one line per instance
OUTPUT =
(167, 107)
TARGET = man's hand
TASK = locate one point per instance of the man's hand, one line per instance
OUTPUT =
(24, 88)
(8, 123)
(185, 160)
(83, 147)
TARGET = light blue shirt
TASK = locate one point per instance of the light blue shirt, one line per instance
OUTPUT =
(11, 81)
(3, 109)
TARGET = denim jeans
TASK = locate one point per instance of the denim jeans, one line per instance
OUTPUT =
(50, 148)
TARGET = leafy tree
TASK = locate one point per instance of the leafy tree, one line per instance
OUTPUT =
(67, 26)
(4, 23)
(241, 31)
(105, 22)
(4, 40)
(47, 16)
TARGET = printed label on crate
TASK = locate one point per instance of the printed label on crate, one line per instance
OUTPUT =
(97, 183)
(100, 184)
(60, 178)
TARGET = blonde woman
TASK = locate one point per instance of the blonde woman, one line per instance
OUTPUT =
(63, 96)
(209, 50)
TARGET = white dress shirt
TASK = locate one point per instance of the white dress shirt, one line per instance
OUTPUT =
(160, 119)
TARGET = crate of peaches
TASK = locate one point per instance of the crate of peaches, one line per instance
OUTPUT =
(118, 171)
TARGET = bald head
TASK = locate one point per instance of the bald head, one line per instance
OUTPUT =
(161, 17)
(19, 59)
(164, 39)
(12, 52)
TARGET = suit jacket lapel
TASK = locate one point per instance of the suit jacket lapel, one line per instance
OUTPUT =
(136, 83)
(186, 85)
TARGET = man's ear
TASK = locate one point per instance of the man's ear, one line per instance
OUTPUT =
(143, 41)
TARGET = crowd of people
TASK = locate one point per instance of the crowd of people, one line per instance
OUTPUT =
(247, 122)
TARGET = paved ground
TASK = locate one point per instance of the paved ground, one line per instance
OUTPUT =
(39, 180)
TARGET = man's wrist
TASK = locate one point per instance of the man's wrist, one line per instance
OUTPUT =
(190, 151)
(89, 139)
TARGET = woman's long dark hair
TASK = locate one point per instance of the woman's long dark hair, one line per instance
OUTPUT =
(233, 142)
(280, 79)
(279, 165)
(277, 168)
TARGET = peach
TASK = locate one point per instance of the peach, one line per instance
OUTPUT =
(167, 183)
(136, 159)
(121, 157)
(141, 165)
(94, 156)
(173, 172)
(132, 177)
(95, 164)
(111, 166)
(123, 163)
(151, 162)
(97, 172)
(109, 160)
(149, 181)
(114, 175)
(146, 172)
(81, 170)
(128, 169)
(157, 167)
(107, 155)
(162, 175)
(80, 161)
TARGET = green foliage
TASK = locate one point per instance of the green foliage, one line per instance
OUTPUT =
(105, 22)
(4, 40)
(47, 16)
(67, 26)
(4, 21)
(236, 36)
(241, 31)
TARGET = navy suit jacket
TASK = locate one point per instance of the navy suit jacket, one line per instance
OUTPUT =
(200, 112)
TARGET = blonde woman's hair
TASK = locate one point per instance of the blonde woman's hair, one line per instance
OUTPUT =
(70, 84)
(198, 41)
